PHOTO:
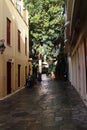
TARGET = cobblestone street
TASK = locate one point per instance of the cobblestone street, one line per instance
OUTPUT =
(49, 105)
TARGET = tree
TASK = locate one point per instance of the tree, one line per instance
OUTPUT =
(46, 26)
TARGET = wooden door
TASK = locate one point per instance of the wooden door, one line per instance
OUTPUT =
(19, 75)
(8, 77)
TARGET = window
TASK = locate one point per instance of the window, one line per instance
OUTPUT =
(25, 46)
(19, 6)
(19, 41)
(8, 32)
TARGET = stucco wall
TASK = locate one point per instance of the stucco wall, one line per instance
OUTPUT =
(8, 10)
(77, 69)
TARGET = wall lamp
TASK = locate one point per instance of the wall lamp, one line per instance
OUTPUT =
(30, 60)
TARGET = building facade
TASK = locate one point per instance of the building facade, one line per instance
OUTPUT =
(14, 66)
(76, 44)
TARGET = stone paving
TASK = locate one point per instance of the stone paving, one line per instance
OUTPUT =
(49, 105)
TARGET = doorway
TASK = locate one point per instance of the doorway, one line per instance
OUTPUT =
(85, 46)
(25, 72)
(8, 77)
(19, 75)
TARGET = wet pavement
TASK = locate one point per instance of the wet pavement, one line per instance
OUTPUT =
(49, 105)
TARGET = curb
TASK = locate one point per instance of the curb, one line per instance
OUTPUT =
(7, 96)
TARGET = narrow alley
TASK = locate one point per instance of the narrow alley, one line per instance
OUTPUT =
(49, 105)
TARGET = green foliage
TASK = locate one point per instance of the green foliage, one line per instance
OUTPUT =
(46, 21)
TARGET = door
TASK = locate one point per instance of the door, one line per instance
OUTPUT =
(8, 77)
(25, 72)
(19, 75)
(85, 43)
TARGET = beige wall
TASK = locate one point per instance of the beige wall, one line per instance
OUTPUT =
(7, 9)
(77, 69)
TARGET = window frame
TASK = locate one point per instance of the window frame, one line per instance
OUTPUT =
(26, 46)
(8, 32)
(19, 41)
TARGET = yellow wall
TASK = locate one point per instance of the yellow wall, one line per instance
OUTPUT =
(7, 9)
